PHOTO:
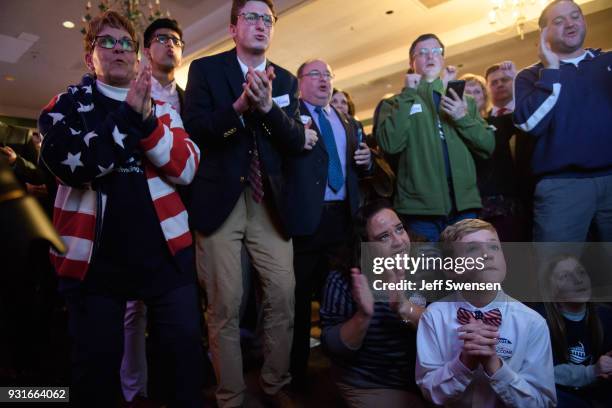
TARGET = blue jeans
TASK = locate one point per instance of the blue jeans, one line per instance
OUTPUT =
(96, 327)
(565, 208)
(431, 226)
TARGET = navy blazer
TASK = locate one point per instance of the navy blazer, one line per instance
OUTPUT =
(226, 144)
(307, 179)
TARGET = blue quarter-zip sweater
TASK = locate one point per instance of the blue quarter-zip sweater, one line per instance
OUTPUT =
(569, 111)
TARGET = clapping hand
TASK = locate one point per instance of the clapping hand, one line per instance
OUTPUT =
(547, 56)
(139, 94)
(479, 341)
(362, 295)
(258, 89)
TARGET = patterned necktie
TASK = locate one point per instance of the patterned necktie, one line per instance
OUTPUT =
(255, 178)
(335, 178)
(493, 317)
(502, 111)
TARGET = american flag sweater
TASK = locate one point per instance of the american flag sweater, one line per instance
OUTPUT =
(80, 150)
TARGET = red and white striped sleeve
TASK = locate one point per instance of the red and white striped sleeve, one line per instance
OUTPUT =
(169, 147)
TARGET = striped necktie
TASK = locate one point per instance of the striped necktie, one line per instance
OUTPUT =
(255, 177)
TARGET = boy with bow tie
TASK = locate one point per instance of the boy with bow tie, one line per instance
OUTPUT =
(483, 348)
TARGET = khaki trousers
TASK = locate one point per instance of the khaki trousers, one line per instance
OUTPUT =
(220, 272)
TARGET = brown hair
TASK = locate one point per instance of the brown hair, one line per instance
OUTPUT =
(109, 18)
(349, 101)
(460, 229)
(556, 323)
(238, 5)
(424, 37)
(543, 20)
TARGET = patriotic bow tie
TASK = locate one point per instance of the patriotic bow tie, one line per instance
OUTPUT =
(493, 317)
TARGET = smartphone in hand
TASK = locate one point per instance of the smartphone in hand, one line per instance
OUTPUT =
(456, 85)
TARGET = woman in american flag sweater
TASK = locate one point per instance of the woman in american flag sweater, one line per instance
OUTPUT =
(117, 156)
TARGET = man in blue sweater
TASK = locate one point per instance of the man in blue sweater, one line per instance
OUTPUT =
(565, 101)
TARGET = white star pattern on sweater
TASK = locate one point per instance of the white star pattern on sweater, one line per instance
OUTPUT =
(119, 137)
(73, 161)
(56, 117)
(85, 108)
(87, 89)
(104, 171)
(89, 136)
(74, 132)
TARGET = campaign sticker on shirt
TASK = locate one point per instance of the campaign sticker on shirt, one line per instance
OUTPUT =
(577, 353)
(416, 108)
(282, 100)
(305, 119)
(504, 348)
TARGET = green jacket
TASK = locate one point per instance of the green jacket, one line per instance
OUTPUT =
(407, 125)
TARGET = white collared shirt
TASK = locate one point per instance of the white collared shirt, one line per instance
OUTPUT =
(525, 379)
(244, 68)
(509, 108)
(577, 60)
(168, 93)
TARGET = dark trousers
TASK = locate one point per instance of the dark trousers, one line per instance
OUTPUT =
(311, 263)
(96, 327)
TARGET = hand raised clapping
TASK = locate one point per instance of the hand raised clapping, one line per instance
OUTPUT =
(479, 341)
(139, 94)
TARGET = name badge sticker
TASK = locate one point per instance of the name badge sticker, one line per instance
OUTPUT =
(282, 100)
(504, 348)
(416, 108)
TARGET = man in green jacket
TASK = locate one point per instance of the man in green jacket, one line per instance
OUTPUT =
(435, 137)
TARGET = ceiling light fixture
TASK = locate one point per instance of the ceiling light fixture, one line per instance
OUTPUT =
(140, 12)
(68, 24)
(512, 14)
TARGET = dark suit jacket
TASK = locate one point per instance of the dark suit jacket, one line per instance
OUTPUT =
(226, 144)
(181, 95)
(307, 180)
(507, 172)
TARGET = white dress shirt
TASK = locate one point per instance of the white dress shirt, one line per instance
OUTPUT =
(525, 379)
(168, 93)
(509, 108)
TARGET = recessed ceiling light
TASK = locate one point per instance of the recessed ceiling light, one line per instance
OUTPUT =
(68, 24)
(9, 77)
(389, 12)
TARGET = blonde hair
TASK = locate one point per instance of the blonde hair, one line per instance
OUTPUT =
(460, 229)
(478, 79)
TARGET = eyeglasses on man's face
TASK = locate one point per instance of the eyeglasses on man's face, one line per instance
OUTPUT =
(252, 18)
(316, 74)
(165, 38)
(425, 52)
(108, 42)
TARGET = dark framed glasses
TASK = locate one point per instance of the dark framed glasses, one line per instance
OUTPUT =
(252, 18)
(165, 39)
(108, 42)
